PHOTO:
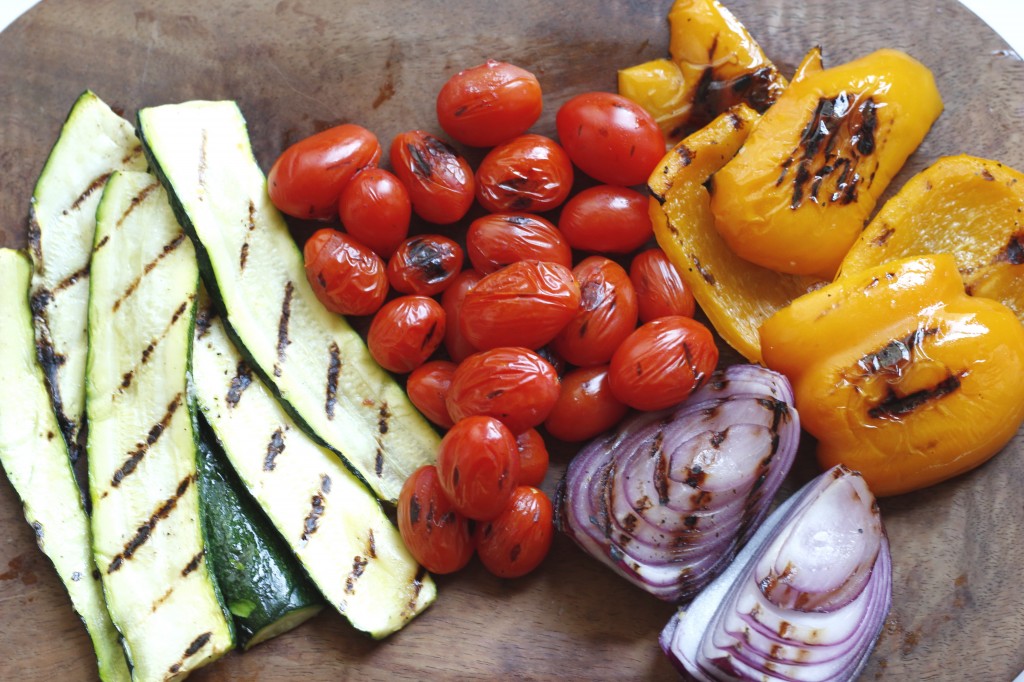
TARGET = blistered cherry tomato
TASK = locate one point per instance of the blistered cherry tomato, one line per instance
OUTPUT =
(514, 385)
(530, 173)
(660, 291)
(606, 316)
(308, 177)
(346, 277)
(489, 104)
(517, 541)
(478, 464)
(498, 239)
(606, 218)
(586, 406)
(455, 342)
(425, 264)
(662, 363)
(374, 208)
(524, 304)
(533, 457)
(439, 181)
(405, 332)
(436, 535)
(428, 387)
(611, 138)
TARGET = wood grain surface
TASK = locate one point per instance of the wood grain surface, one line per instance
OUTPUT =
(298, 66)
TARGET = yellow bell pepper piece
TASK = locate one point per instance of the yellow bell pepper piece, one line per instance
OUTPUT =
(660, 87)
(900, 374)
(800, 190)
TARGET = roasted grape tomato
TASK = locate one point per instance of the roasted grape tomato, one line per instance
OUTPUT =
(606, 316)
(530, 173)
(478, 464)
(610, 138)
(374, 208)
(405, 332)
(425, 264)
(455, 342)
(606, 219)
(428, 387)
(533, 457)
(660, 291)
(514, 385)
(309, 176)
(662, 363)
(586, 406)
(436, 535)
(524, 304)
(498, 239)
(516, 542)
(489, 104)
(439, 181)
(346, 277)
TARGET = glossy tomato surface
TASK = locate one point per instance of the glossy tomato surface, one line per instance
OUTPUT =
(439, 181)
(405, 332)
(606, 219)
(533, 457)
(606, 316)
(586, 406)
(455, 342)
(374, 208)
(478, 465)
(489, 104)
(346, 277)
(518, 540)
(308, 178)
(428, 387)
(437, 535)
(425, 264)
(499, 239)
(660, 291)
(530, 173)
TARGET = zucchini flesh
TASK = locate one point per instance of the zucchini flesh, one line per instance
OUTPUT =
(265, 589)
(93, 143)
(336, 528)
(147, 533)
(315, 362)
(35, 458)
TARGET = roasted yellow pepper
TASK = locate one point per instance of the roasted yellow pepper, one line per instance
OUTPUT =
(801, 188)
(969, 207)
(900, 374)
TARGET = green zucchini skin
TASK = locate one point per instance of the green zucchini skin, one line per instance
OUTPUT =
(35, 458)
(265, 589)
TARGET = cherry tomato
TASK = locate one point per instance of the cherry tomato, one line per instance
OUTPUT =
(425, 265)
(439, 181)
(662, 363)
(428, 387)
(553, 358)
(498, 239)
(405, 332)
(530, 173)
(606, 218)
(611, 138)
(478, 464)
(524, 304)
(308, 177)
(533, 457)
(660, 291)
(374, 208)
(489, 104)
(346, 277)
(436, 535)
(606, 316)
(514, 385)
(517, 541)
(586, 406)
(455, 342)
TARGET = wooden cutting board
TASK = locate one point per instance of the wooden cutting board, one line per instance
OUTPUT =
(297, 66)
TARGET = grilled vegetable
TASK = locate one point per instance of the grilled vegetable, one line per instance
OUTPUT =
(329, 519)
(93, 143)
(316, 364)
(263, 586)
(147, 536)
(35, 458)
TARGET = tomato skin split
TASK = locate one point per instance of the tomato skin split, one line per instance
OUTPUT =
(439, 181)
(530, 174)
(499, 239)
(346, 277)
(405, 332)
(425, 264)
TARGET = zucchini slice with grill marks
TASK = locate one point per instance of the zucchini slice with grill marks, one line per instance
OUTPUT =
(35, 458)
(93, 143)
(336, 528)
(147, 531)
(317, 365)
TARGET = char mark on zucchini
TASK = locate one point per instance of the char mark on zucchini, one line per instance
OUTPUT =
(274, 448)
(333, 373)
(141, 448)
(143, 533)
(317, 507)
(243, 256)
(282, 327)
(241, 381)
(167, 249)
(193, 564)
(147, 352)
(193, 648)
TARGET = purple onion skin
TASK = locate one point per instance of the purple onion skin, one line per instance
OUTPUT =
(667, 499)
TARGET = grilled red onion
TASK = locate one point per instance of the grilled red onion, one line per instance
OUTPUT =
(804, 600)
(668, 498)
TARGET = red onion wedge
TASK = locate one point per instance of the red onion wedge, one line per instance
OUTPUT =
(668, 498)
(804, 600)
